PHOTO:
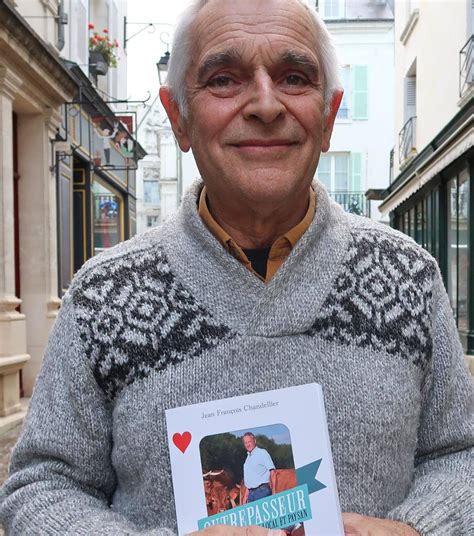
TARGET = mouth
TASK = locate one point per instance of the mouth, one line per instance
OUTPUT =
(256, 146)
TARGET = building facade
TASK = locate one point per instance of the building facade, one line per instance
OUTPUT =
(159, 174)
(431, 195)
(68, 160)
(357, 161)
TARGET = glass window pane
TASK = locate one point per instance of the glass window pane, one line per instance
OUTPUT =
(463, 250)
(419, 224)
(413, 223)
(406, 225)
(324, 170)
(429, 223)
(452, 245)
(436, 228)
(107, 209)
(343, 112)
(152, 221)
(151, 190)
(342, 172)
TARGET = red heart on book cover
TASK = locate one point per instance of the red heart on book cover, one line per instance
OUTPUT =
(182, 440)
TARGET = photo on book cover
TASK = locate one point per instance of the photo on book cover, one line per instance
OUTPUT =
(257, 459)
(243, 466)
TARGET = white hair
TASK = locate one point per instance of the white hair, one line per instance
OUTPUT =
(182, 50)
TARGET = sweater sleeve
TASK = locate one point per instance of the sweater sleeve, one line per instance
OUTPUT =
(441, 496)
(61, 477)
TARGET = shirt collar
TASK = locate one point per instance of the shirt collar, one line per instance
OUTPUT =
(280, 249)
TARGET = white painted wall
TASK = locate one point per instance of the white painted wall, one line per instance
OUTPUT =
(369, 44)
(442, 28)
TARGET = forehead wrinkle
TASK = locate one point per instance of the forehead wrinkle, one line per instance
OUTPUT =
(256, 23)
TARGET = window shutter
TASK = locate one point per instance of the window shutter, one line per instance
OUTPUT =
(410, 97)
(356, 178)
(360, 90)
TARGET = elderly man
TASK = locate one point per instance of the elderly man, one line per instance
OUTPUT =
(262, 279)
(258, 470)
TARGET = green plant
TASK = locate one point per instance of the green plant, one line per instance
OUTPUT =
(101, 42)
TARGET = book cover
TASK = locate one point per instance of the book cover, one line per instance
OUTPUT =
(259, 459)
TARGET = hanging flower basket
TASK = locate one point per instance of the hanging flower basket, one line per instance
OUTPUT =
(102, 51)
(97, 63)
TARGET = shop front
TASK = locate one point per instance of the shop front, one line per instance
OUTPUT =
(432, 200)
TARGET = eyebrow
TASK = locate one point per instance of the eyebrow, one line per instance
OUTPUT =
(225, 58)
(232, 56)
(291, 57)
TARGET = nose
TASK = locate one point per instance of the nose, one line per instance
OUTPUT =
(264, 102)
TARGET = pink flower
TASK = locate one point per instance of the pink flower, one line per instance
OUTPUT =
(90, 26)
(105, 31)
(116, 43)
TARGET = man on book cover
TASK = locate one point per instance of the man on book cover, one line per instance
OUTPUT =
(259, 470)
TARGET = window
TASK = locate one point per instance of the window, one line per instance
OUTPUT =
(151, 191)
(332, 9)
(344, 109)
(333, 171)
(152, 221)
(108, 216)
(355, 101)
(458, 248)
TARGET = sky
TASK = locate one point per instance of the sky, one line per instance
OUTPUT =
(145, 50)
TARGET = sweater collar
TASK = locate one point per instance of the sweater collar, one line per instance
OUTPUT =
(289, 302)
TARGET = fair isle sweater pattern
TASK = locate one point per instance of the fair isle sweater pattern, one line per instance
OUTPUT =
(382, 299)
(135, 318)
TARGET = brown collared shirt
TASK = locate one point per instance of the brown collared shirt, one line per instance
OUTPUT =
(280, 249)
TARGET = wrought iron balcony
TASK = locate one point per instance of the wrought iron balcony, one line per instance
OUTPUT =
(353, 202)
(466, 67)
(407, 140)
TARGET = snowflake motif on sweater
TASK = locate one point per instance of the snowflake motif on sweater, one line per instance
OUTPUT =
(382, 298)
(135, 317)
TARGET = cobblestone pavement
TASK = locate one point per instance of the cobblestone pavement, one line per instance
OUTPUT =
(7, 441)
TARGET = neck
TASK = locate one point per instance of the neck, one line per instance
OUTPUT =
(257, 225)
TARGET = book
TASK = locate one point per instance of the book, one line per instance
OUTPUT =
(258, 459)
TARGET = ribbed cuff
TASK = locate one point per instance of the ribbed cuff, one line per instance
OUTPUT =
(438, 508)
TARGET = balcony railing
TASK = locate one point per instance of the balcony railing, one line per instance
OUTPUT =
(466, 67)
(407, 140)
(353, 202)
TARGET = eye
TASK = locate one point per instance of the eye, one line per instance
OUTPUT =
(221, 81)
(295, 80)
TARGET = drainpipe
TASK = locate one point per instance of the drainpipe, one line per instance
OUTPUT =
(62, 19)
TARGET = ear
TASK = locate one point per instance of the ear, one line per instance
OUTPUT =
(178, 123)
(330, 118)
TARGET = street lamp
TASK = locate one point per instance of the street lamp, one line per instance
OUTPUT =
(162, 66)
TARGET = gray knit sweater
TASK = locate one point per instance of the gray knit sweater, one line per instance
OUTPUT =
(169, 318)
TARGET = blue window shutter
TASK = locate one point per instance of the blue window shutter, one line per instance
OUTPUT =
(360, 92)
(356, 175)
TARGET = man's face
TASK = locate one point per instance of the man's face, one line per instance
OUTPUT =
(249, 443)
(255, 99)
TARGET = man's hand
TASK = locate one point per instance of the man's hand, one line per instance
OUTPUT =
(227, 530)
(357, 525)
